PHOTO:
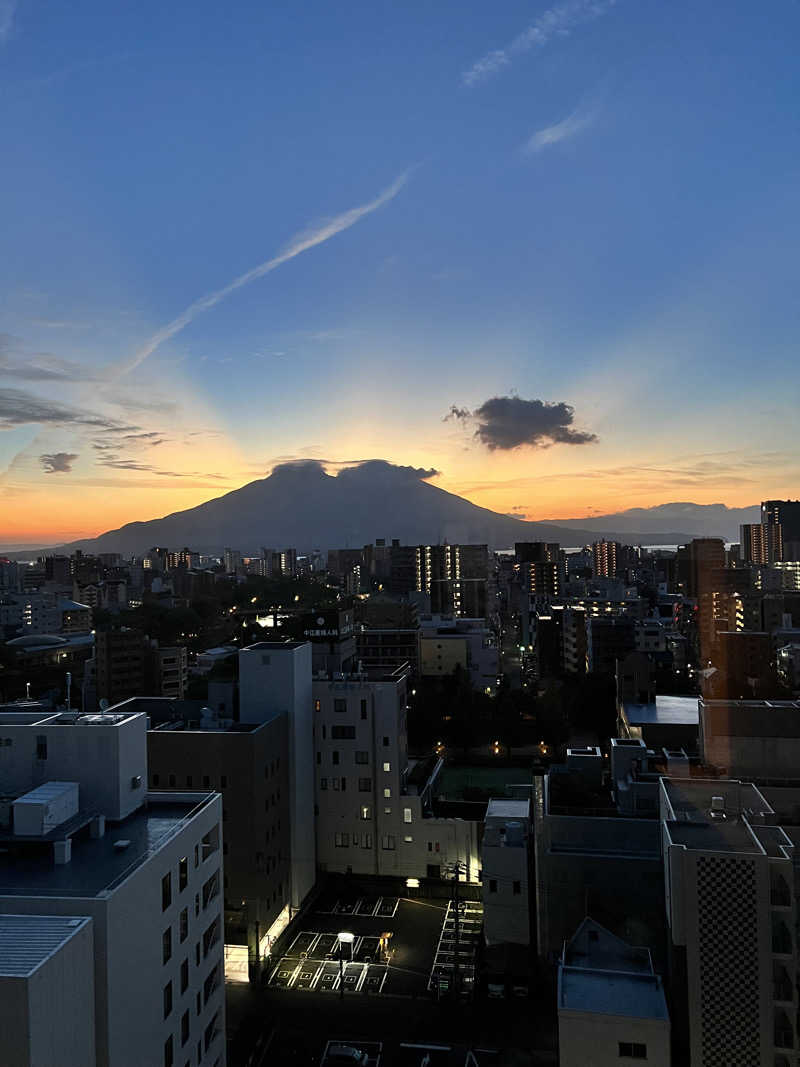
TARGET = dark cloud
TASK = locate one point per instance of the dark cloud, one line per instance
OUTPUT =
(124, 464)
(354, 469)
(383, 468)
(457, 413)
(508, 422)
(58, 462)
(18, 408)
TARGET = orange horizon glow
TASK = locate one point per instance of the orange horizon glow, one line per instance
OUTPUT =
(49, 517)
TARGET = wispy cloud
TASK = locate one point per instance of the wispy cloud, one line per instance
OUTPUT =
(18, 408)
(302, 242)
(124, 464)
(18, 361)
(579, 120)
(8, 9)
(58, 462)
(557, 21)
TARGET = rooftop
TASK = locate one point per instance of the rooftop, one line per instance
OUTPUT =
(693, 821)
(637, 996)
(27, 941)
(274, 646)
(96, 864)
(65, 718)
(601, 973)
(753, 704)
(664, 711)
(508, 809)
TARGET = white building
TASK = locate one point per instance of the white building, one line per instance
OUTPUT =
(611, 1003)
(47, 990)
(505, 858)
(374, 807)
(730, 900)
(145, 868)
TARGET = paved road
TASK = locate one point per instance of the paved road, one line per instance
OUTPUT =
(305, 1022)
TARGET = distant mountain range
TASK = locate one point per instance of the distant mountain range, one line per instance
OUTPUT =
(300, 505)
(704, 520)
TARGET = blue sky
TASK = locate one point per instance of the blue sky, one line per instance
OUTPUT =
(599, 209)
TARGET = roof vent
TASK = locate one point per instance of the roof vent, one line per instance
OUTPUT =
(121, 845)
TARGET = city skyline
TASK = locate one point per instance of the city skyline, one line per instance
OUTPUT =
(547, 256)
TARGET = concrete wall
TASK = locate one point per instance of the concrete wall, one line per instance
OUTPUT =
(747, 979)
(586, 1038)
(276, 680)
(61, 1005)
(506, 865)
(103, 759)
(609, 868)
(251, 771)
(136, 972)
(15, 1024)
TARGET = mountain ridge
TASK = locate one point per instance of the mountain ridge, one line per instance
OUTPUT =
(301, 505)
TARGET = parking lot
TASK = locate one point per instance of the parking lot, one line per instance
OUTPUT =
(390, 947)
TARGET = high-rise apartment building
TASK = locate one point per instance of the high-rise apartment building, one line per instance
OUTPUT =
(121, 664)
(128, 664)
(232, 560)
(784, 514)
(761, 543)
(696, 562)
(454, 577)
(609, 639)
(541, 567)
(606, 559)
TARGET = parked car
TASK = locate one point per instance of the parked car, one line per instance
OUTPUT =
(345, 1056)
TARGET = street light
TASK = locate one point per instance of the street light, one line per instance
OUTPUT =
(344, 938)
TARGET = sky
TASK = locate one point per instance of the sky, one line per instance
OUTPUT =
(547, 250)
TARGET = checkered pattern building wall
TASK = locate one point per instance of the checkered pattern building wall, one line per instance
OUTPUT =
(729, 961)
